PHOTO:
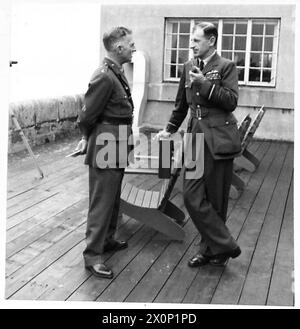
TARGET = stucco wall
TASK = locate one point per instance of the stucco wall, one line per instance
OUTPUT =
(147, 23)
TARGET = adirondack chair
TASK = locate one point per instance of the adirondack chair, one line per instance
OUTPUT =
(154, 208)
(247, 136)
(236, 180)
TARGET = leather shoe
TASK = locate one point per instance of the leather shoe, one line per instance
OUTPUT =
(198, 260)
(114, 245)
(221, 259)
(101, 271)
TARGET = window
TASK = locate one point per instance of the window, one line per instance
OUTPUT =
(177, 48)
(251, 43)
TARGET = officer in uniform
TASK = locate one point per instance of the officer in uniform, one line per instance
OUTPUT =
(209, 87)
(105, 122)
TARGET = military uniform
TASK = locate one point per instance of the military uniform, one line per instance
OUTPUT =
(107, 106)
(211, 103)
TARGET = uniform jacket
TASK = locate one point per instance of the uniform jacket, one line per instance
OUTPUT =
(212, 101)
(107, 106)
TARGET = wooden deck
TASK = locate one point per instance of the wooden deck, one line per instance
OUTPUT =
(46, 226)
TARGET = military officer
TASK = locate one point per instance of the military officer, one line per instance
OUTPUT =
(209, 88)
(105, 122)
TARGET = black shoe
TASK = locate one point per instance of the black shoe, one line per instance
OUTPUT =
(221, 259)
(100, 271)
(114, 245)
(198, 260)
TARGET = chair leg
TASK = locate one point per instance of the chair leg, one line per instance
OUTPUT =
(250, 157)
(237, 182)
(173, 211)
(153, 218)
(234, 193)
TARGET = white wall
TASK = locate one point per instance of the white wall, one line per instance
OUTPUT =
(56, 45)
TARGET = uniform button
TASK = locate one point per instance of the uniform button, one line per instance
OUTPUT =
(198, 106)
(197, 93)
(227, 122)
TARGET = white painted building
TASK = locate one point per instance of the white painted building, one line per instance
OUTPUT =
(58, 46)
(260, 38)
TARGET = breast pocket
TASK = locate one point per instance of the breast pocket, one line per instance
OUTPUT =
(214, 77)
(216, 81)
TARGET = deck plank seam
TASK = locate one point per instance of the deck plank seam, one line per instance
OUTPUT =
(262, 223)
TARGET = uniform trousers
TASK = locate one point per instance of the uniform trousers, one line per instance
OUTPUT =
(206, 200)
(103, 213)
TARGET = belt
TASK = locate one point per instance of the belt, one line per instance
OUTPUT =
(199, 113)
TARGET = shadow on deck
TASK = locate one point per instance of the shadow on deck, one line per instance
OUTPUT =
(46, 226)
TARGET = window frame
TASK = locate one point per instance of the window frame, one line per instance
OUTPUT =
(250, 21)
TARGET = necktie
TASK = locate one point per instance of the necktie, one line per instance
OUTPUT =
(201, 65)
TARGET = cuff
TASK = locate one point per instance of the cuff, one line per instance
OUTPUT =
(171, 128)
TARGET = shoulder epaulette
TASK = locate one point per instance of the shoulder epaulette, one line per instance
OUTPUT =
(103, 68)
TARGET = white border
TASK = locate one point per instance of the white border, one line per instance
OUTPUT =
(4, 5)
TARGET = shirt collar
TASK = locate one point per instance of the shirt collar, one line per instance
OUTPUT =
(207, 59)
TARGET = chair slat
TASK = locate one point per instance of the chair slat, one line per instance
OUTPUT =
(140, 197)
(132, 196)
(155, 199)
(126, 191)
(147, 199)
(142, 171)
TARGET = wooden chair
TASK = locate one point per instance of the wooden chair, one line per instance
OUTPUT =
(247, 134)
(154, 208)
(243, 127)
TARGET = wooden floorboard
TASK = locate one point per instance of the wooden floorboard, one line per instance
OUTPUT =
(92, 289)
(46, 221)
(257, 282)
(207, 286)
(231, 284)
(157, 275)
(159, 270)
(77, 219)
(172, 292)
(56, 290)
(281, 289)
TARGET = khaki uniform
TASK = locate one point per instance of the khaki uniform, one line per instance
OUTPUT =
(107, 106)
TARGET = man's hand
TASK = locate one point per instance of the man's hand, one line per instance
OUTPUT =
(196, 75)
(82, 146)
(163, 134)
